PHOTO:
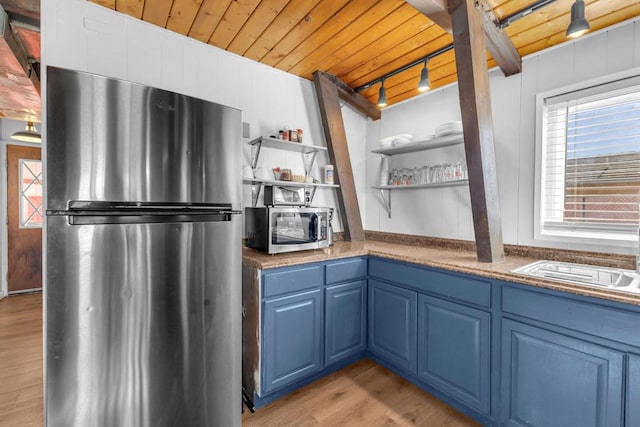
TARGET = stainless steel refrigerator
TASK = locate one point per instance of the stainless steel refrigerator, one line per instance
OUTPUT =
(143, 256)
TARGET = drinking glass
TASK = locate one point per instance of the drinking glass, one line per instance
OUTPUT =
(448, 173)
(425, 177)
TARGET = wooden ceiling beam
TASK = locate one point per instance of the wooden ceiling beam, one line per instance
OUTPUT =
(497, 41)
(14, 45)
(477, 123)
(353, 98)
(435, 10)
(327, 93)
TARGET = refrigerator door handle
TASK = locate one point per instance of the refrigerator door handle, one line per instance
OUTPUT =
(144, 217)
(111, 218)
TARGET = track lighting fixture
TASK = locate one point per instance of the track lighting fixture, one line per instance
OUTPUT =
(423, 86)
(382, 95)
(579, 24)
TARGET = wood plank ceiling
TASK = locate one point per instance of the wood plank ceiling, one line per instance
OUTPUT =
(19, 47)
(355, 40)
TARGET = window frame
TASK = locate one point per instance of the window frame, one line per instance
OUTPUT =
(29, 225)
(607, 234)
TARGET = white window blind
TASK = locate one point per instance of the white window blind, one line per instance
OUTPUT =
(590, 169)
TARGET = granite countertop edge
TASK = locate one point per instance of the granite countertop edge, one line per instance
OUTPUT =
(455, 260)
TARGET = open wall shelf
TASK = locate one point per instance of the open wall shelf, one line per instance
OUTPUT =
(419, 145)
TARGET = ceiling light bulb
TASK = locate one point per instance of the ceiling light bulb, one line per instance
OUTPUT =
(424, 85)
(382, 96)
(30, 134)
(579, 24)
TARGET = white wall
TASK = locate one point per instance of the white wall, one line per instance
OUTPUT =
(7, 128)
(80, 35)
(446, 212)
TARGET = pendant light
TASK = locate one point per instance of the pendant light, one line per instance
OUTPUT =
(424, 84)
(382, 95)
(30, 134)
(579, 24)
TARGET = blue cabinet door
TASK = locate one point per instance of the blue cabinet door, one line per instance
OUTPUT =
(551, 380)
(633, 391)
(345, 320)
(453, 350)
(393, 324)
(292, 334)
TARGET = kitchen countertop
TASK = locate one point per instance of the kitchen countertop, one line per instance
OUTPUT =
(446, 258)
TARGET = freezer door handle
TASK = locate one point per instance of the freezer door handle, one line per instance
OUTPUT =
(91, 205)
(82, 212)
(114, 217)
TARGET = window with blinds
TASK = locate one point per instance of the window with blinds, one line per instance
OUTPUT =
(590, 161)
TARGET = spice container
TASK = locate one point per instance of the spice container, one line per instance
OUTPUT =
(285, 175)
(327, 174)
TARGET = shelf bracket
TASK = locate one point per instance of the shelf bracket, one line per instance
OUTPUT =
(308, 160)
(310, 193)
(255, 154)
(256, 187)
(386, 201)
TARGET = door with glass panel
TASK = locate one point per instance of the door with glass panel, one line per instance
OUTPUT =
(24, 218)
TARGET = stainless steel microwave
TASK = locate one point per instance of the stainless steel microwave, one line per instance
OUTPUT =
(286, 229)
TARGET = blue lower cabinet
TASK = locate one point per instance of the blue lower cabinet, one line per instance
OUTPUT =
(345, 320)
(454, 344)
(392, 324)
(292, 339)
(552, 380)
(633, 391)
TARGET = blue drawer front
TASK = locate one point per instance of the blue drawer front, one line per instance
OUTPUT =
(279, 282)
(609, 323)
(345, 270)
(450, 285)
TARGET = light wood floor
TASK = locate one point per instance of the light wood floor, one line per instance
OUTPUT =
(21, 403)
(363, 394)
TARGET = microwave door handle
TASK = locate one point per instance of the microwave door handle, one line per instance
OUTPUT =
(313, 227)
(318, 228)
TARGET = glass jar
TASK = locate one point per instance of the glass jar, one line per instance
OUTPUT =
(448, 173)
(458, 173)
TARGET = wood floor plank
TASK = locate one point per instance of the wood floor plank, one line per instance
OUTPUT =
(21, 402)
(362, 394)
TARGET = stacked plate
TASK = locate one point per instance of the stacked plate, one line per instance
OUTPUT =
(403, 138)
(450, 128)
(386, 142)
(395, 140)
(424, 138)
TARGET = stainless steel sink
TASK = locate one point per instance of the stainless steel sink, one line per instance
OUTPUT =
(603, 277)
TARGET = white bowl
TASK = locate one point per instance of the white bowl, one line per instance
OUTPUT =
(401, 141)
(450, 128)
